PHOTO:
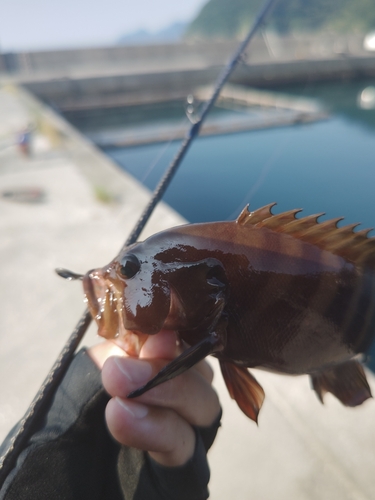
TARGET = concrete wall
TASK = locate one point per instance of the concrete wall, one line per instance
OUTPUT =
(106, 91)
(115, 76)
(124, 58)
(122, 90)
(281, 73)
(181, 55)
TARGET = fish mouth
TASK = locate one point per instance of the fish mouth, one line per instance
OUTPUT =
(105, 304)
(90, 296)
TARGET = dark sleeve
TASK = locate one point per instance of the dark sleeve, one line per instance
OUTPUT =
(72, 456)
(153, 481)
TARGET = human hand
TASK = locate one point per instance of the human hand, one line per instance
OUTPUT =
(160, 421)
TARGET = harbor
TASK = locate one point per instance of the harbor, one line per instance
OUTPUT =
(87, 207)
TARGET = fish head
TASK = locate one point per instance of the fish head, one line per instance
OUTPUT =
(147, 288)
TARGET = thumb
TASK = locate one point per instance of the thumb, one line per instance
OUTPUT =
(162, 345)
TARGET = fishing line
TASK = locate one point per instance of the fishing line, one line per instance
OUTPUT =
(155, 162)
(163, 151)
(173, 137)
(277, 153)
(194, 130)
(47, 390)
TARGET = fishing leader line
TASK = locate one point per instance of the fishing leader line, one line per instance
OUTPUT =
(261, 178)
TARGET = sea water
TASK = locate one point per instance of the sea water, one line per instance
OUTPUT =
(326, 166)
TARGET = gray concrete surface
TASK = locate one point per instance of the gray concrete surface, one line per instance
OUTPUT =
(70, 228)
(301, 449)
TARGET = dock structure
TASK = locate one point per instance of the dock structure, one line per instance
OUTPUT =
(131, 75)
(235, 95)
(85, 208)
(251, 109)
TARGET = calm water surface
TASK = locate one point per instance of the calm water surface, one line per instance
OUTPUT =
(327, 166)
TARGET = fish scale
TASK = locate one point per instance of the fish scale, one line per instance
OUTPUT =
(277, 292)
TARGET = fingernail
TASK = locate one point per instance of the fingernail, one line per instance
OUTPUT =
(135, 409)
(135, 370)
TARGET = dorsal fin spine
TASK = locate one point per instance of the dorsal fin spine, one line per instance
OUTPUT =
(258, 215)
(278, 220)
(298, 226)
(342, 241)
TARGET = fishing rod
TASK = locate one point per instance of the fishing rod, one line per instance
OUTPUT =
(42, 399)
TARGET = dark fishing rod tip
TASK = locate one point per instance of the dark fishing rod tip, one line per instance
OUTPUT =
(68, 275)
(136, 393)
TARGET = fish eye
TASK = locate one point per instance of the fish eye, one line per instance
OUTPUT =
(130, 265)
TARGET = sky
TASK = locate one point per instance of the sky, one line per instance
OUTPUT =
(52, 24)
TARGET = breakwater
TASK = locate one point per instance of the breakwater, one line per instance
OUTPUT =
(121, 76)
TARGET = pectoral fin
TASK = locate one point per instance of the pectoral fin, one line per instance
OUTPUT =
(346, 381)
(243, 388)
(179, 365)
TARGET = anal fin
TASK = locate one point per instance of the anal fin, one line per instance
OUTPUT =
(243, 388)
(346, 381)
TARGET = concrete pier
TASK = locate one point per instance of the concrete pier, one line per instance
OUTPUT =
(85, 211)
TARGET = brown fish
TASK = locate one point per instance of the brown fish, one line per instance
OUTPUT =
(269, 291)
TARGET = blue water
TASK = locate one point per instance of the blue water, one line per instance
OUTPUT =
(327, 166)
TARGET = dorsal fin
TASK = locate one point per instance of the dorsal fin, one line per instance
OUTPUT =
(301, 226)
(258, 215)
(279, 220)
(342, 241)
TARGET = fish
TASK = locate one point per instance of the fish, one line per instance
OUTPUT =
(278, 292)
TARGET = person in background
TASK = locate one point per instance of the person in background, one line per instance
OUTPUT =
(153, 447)
(24, 141)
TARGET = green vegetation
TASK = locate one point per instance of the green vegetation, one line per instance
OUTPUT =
(232, 18)
(103, 195)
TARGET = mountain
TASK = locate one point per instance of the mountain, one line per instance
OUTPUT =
(170, 34)
(230, 19)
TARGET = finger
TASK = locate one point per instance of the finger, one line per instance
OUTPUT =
(101, 352)
(162, 345)
(167, 346)
(204, 368)
(169, 439)
(189, 394)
